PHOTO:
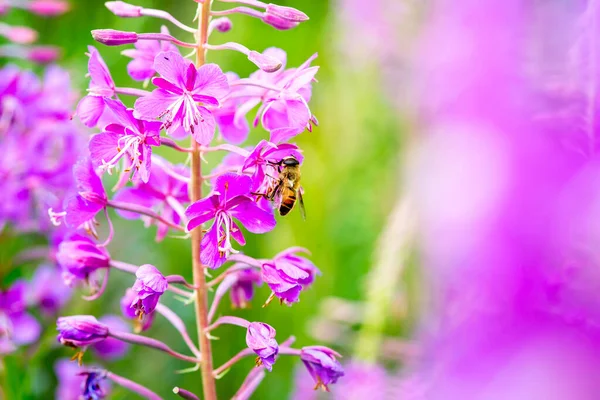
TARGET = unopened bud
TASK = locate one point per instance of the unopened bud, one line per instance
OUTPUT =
(222, 24)
(111, 37)
(122, 9)
(48, 8)
(279, 23)
(20, 34)
(287, 13)
(43, 54)
(265, 63)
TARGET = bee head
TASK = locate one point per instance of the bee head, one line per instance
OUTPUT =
(290, 161)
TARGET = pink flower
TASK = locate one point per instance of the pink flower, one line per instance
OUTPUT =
(90, 198)
(230, 199)
(149, 286)
(125, 135)
(142, 65)
(181, 87)
(91, 107)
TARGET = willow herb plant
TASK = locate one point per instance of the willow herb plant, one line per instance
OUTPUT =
(190, 100)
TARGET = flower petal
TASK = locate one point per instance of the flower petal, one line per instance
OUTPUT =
(103, 147)
(254, 218)
(210, 255)
(211, 81)
(201, 211)
(90, 109)
(172, 67)
(155, 104)
(204, 130)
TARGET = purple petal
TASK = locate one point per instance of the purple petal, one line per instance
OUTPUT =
(103, 147)
(254, 218)
(231, 185)
(80, 211)
(172, 67)
(140, 69)
(168, 86)
(155, 104)
(90, 109)
(86, 178)
(210, 255)
(280, 135)
(135, 196)
(101, 82)
(235, 133)
(26, 329)
(204, 130)
(211, 81)
(201, 212)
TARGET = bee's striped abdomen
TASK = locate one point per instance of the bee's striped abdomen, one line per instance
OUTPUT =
(287, 203)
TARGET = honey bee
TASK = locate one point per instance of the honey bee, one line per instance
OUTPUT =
(287, 190)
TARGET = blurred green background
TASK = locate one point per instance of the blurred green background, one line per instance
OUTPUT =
(350, 176)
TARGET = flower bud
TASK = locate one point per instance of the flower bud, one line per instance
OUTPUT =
(20, 34)
(111, 37)
(80, 330)
(43, 54)
(222, 24)
(265, 63)
(124, 10)
(287, 13)
(322, 365)
(149, 286)
(79, 256)
(278, 22)
(48, 8)
(260, 338)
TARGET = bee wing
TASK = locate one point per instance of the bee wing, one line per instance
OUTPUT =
(301, 203)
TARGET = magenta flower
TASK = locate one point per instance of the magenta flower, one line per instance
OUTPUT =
(263, 163)
(284, 110)
(17, 327)
(230, 199)
(125, 136)
(163, 192)
(131, 313)
(149, 286)
(110, 348)
(322, 365)
(181, 87)
(141, 67)
(287, 274)
(70, 380)
(90, 198)
(242, 291)
(80, 330)
(93, 389)
(79, 257)
(260, 338)
(91, 107)
(233, 130)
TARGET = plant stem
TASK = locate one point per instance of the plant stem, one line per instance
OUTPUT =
(206, 366)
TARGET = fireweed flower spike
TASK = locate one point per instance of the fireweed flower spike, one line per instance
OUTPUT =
(181, 87)
(230, 199)
(189, 100)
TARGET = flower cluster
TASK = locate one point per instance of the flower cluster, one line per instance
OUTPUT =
(190, 100)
